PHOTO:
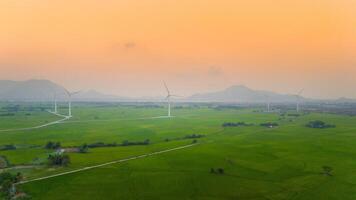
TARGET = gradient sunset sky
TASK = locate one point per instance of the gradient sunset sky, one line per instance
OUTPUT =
(128, 47)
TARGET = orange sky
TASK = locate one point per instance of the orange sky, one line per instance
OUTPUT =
(129, 47)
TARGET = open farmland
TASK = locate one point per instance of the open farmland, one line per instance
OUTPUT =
(258, 162)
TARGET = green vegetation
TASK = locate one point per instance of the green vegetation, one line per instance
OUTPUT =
(58, 159)
(7, 184)
(250, 162)
(319, 124)
(269, 124)
(3, 162)
(237, 124)
(53, 145)
(7, 147)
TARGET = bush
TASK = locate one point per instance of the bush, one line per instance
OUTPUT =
(8, 147)
(217, 171)
(4, 162)
(237, 124)
(326, 170)
(193, 136)
(269, 124)
(102, 144)
(128, 143)
(58, 159)
(7, 114)
(7, 181)
(319, 124)
(53, 145)
(84, 148)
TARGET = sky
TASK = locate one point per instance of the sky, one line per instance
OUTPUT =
(129, 47)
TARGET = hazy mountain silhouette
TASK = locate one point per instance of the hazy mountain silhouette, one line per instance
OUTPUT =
(45, 90)
(31, 90)
(243, 94)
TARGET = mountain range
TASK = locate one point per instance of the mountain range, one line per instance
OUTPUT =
(45, 90)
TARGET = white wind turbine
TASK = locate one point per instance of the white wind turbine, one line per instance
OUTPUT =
(268, 103)
(70, 94)
(168, 98)
(55, 103)
(298, 99)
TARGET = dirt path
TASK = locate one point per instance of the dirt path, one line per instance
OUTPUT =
(108, 163)
(18, 167)
(37, 127)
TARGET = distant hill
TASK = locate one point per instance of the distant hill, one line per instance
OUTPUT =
(45, 90)
(243, 94)
(31, 90)
(92, 95)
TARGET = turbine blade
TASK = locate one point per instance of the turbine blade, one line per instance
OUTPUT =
(173, 95)
(76, 92)
(300, 92)
(68, 93)
(165, 85)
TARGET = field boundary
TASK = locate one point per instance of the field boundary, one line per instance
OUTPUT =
(37, 127)
(108, 163)
(65, 119)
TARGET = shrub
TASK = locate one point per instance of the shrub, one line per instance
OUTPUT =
(84, 148)
(7, 114)
(102, 144)
(7, 181)
(193, 136)
(53, 145)
(327, 170)
(217, 171)
(8, 147)
(269, 124)
(3, 162)
(221, 171)
(237, 124)
(319, 124)
(128, 143)
(57, 159)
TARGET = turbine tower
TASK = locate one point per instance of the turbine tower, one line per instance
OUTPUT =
(55, 103)
(298, 99)
(268, 103)
(70, 94)
(168, 98)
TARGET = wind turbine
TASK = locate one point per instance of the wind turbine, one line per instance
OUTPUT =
(55, 103)
(268, 103)
(70, 94)
(298, 99)
(168, 98)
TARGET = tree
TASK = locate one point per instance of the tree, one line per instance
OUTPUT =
(53, 145)
(146, 142)
(49, 145)
(125, 143)
(327, 170)
(57, 145)
(221, 171)
(319, 124)
(7, 183)
(84, 148)
(58, 159)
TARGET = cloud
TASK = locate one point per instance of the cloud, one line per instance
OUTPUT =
(123, 46)
(129, 45)
(215, 71)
